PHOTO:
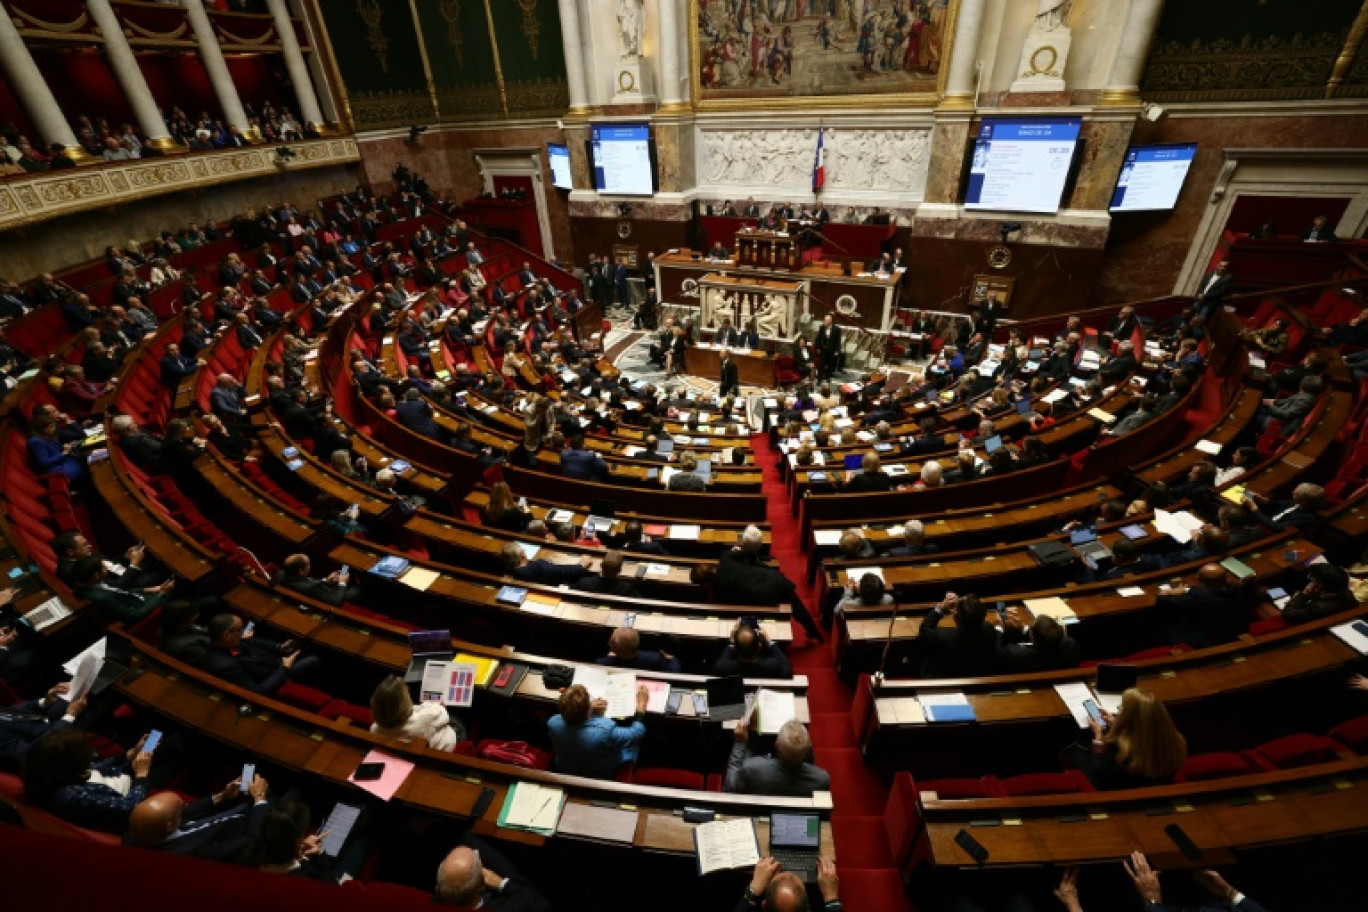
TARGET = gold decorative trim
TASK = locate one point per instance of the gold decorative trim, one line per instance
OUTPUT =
(498, 65)
(342, 101)
(1250, 69)
(74, 25)
(450, 10)
(1119, 98)
(167, 146)
(880, 101)
(175, 35)
(531, 25)
(423, 55)
(268, 41)
(1352, 42)
(380, 110)
(372, 13)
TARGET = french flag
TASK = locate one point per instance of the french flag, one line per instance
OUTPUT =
(819, 167)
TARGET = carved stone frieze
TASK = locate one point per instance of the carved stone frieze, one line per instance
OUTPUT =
(892, 160)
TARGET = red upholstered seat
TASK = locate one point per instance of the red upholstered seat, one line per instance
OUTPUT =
(1352, 734)
(1065, 783)
(1267, 625)
(963, 789)
(341, 709)
(308, 698)
(903, 822)
(1291, 751)
(880, 889)
(1158, 652)
(12, 791)
(1221, 765)
(665, 777)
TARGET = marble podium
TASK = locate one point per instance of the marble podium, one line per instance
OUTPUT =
(775, 306)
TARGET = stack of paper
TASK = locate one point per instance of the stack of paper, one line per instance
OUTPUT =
(1052, 606)
(1354, 633)
(1075, 694)
(532, 807)
(946, 707)
(772, 709)
(1207, 446)
(484, 666)
(685, 532)
(827, 536)
(618, 688)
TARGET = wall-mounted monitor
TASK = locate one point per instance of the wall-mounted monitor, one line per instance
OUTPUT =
(1021, 164)
(559, 158)
(1151, 177)
(623, 156)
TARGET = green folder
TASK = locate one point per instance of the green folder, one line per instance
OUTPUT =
(1239, 568)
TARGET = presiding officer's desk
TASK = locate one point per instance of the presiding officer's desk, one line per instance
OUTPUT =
(442, 784)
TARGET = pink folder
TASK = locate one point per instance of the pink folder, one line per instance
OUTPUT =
(396, 771)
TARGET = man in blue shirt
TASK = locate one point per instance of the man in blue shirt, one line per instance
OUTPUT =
(587, 744)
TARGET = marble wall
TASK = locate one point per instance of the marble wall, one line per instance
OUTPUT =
(1145, 251)
(74, 239)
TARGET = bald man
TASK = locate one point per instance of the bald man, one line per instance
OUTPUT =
(624, 651)
(774, 890)
(221, 827)
(463, 880)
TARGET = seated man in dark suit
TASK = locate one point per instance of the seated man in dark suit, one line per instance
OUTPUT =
(1044, 646)
(1290, 410)
(415, 414)
(914, 541)
(251, 662)
(477, 876)
(1320, 230)
(743, 580)
(1129, 558)
(1120, 367)
(752, 655)
(1326, 592)
(968, 650)
(635, 540)
(220, 827)
(129, 572)
(176, 367)
(24, 723)
(608, 581)
(333, 589)
(789, 771)
(91, 581)
(579, 463)
(1208, 614)
(516, 565)
(624, 651)
(1301, 512)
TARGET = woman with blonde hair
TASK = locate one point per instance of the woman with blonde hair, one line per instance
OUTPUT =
(687, 479)
(1137, 747)
(502, 511)
(397, 717)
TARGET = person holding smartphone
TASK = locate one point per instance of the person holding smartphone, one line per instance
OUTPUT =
(60, 778)
(332, 589)
(1137, 747)
(252, 662)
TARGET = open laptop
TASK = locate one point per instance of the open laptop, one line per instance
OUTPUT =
(1087, 547)
(665, 446)
(854, 462)
(795, 840)
(427, 646)
(1023, 406)
(1114, 679)
(726, 698)
(117, 659)
(992, 444)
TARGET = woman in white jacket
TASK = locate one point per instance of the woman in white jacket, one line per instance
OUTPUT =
(397, 717)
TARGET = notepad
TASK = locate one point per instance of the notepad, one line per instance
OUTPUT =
(1355, 633)
(1178, 526)
(1207, 446)
(1052, 606)
(827, 536)
(532, 807)
(726, 844)
(659, 695)
(946, 707)
(420, 578)
(1104, 417)
(604, 824)
(559, 516)
(685, 532)
(618, 688)
(1130, 592)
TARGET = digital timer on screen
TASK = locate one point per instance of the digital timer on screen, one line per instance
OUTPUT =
(1021, 165)
(1151, 177)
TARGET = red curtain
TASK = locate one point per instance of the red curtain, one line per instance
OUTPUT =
(1291, 214)
(83, 83)
(14, 117)
(260, 78)
(182, 81)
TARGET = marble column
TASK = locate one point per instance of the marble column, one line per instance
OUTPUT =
(577, 86)
(215, 66)
(31, 89)
(131, 80)
(670, 72)
(959, 82)
(309, 112)
(1123, 85)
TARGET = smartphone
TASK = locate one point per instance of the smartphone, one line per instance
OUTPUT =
(344, 573)
(153, 739)
(369, 772)
(251, 625)
(672, 703)
(640, 571)
(972, 846)
(248, 774)
(1093, 712)
(629, 620)
(1184, 842)
(482, 803)
(700, 704)
(751, 621)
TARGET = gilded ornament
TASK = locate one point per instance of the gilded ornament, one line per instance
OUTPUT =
(451, 12)
(999, 256)
(371, 13)
(531, 25)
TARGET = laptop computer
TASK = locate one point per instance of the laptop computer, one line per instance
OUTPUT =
(795, 840)
(726, 698)
(1114, 679)
(1023, 406)
(854, 462)
(665, 446)
(1086, 546)
(427, 646)
(705, 469)
(993, 444)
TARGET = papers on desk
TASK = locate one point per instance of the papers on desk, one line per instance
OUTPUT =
(1075, 694)
(48, 613)
(658, 570)
(1054, 396)
(946, 707)
(770, 403)
(856, 573)
(659, 695)
(396, 771)
(484, 666)
(618, 688)
(532, 807)
(1235, 494)
(598, 524)
(449, 683)
(631, 451)
(1053, 606)
(726, 844)
(772, 709)
(827, 536)
(1207, 446)
(530, 549)
(87, 670)
(1130, 592)
(559, 516)
(1178, 525)
(1104, 417)
(895, 469)
(685, 532)
(542, 605)
(1355, 633)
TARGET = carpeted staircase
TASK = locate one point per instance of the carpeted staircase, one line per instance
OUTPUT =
(868, 879)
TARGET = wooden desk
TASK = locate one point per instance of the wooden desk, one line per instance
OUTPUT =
(754, 368)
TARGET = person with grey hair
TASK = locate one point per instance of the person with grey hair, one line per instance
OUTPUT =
(787, 771)
(464, 880)
(742, 579)
(932, 475)
(914, 541)
(144, 449)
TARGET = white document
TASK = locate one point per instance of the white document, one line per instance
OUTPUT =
(1052, 606)
(1207, 446)
(827, 536)
(1178, 526)
(773, 708)
(1130, 592)
(658, 570)
(559, 516)
(535, 807)
(726, 844)
(1054, 396)
(618, 688)
(530, 549)
(48, 613)
(96, 649)
(1356, 639)
(1075, 694)
(1111, 702)
(685, 533)
(858, 572)
(86, 672)
(433, 686)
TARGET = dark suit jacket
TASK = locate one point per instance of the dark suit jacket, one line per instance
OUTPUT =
(256, 666)
(1016, 656)
(596, 583)
(115, 605)
(417, 415)
(646, 660)
(748, 774)
(828, 342)
(318, 589)
(731, 378)
(24, 723)
(956, 653)
(228, 838)
(867, 482)
(1205, 616)
(548, 574)
(584, 465)
(1219, 289)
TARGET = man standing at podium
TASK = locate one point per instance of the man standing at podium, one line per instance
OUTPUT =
(731, 377)
(828, 348)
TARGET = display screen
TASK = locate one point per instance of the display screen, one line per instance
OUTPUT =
(1151, 177)
(1021, 165)
(622, 159)
(559, 157)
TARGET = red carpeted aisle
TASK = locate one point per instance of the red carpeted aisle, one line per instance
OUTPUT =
(868, 879)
